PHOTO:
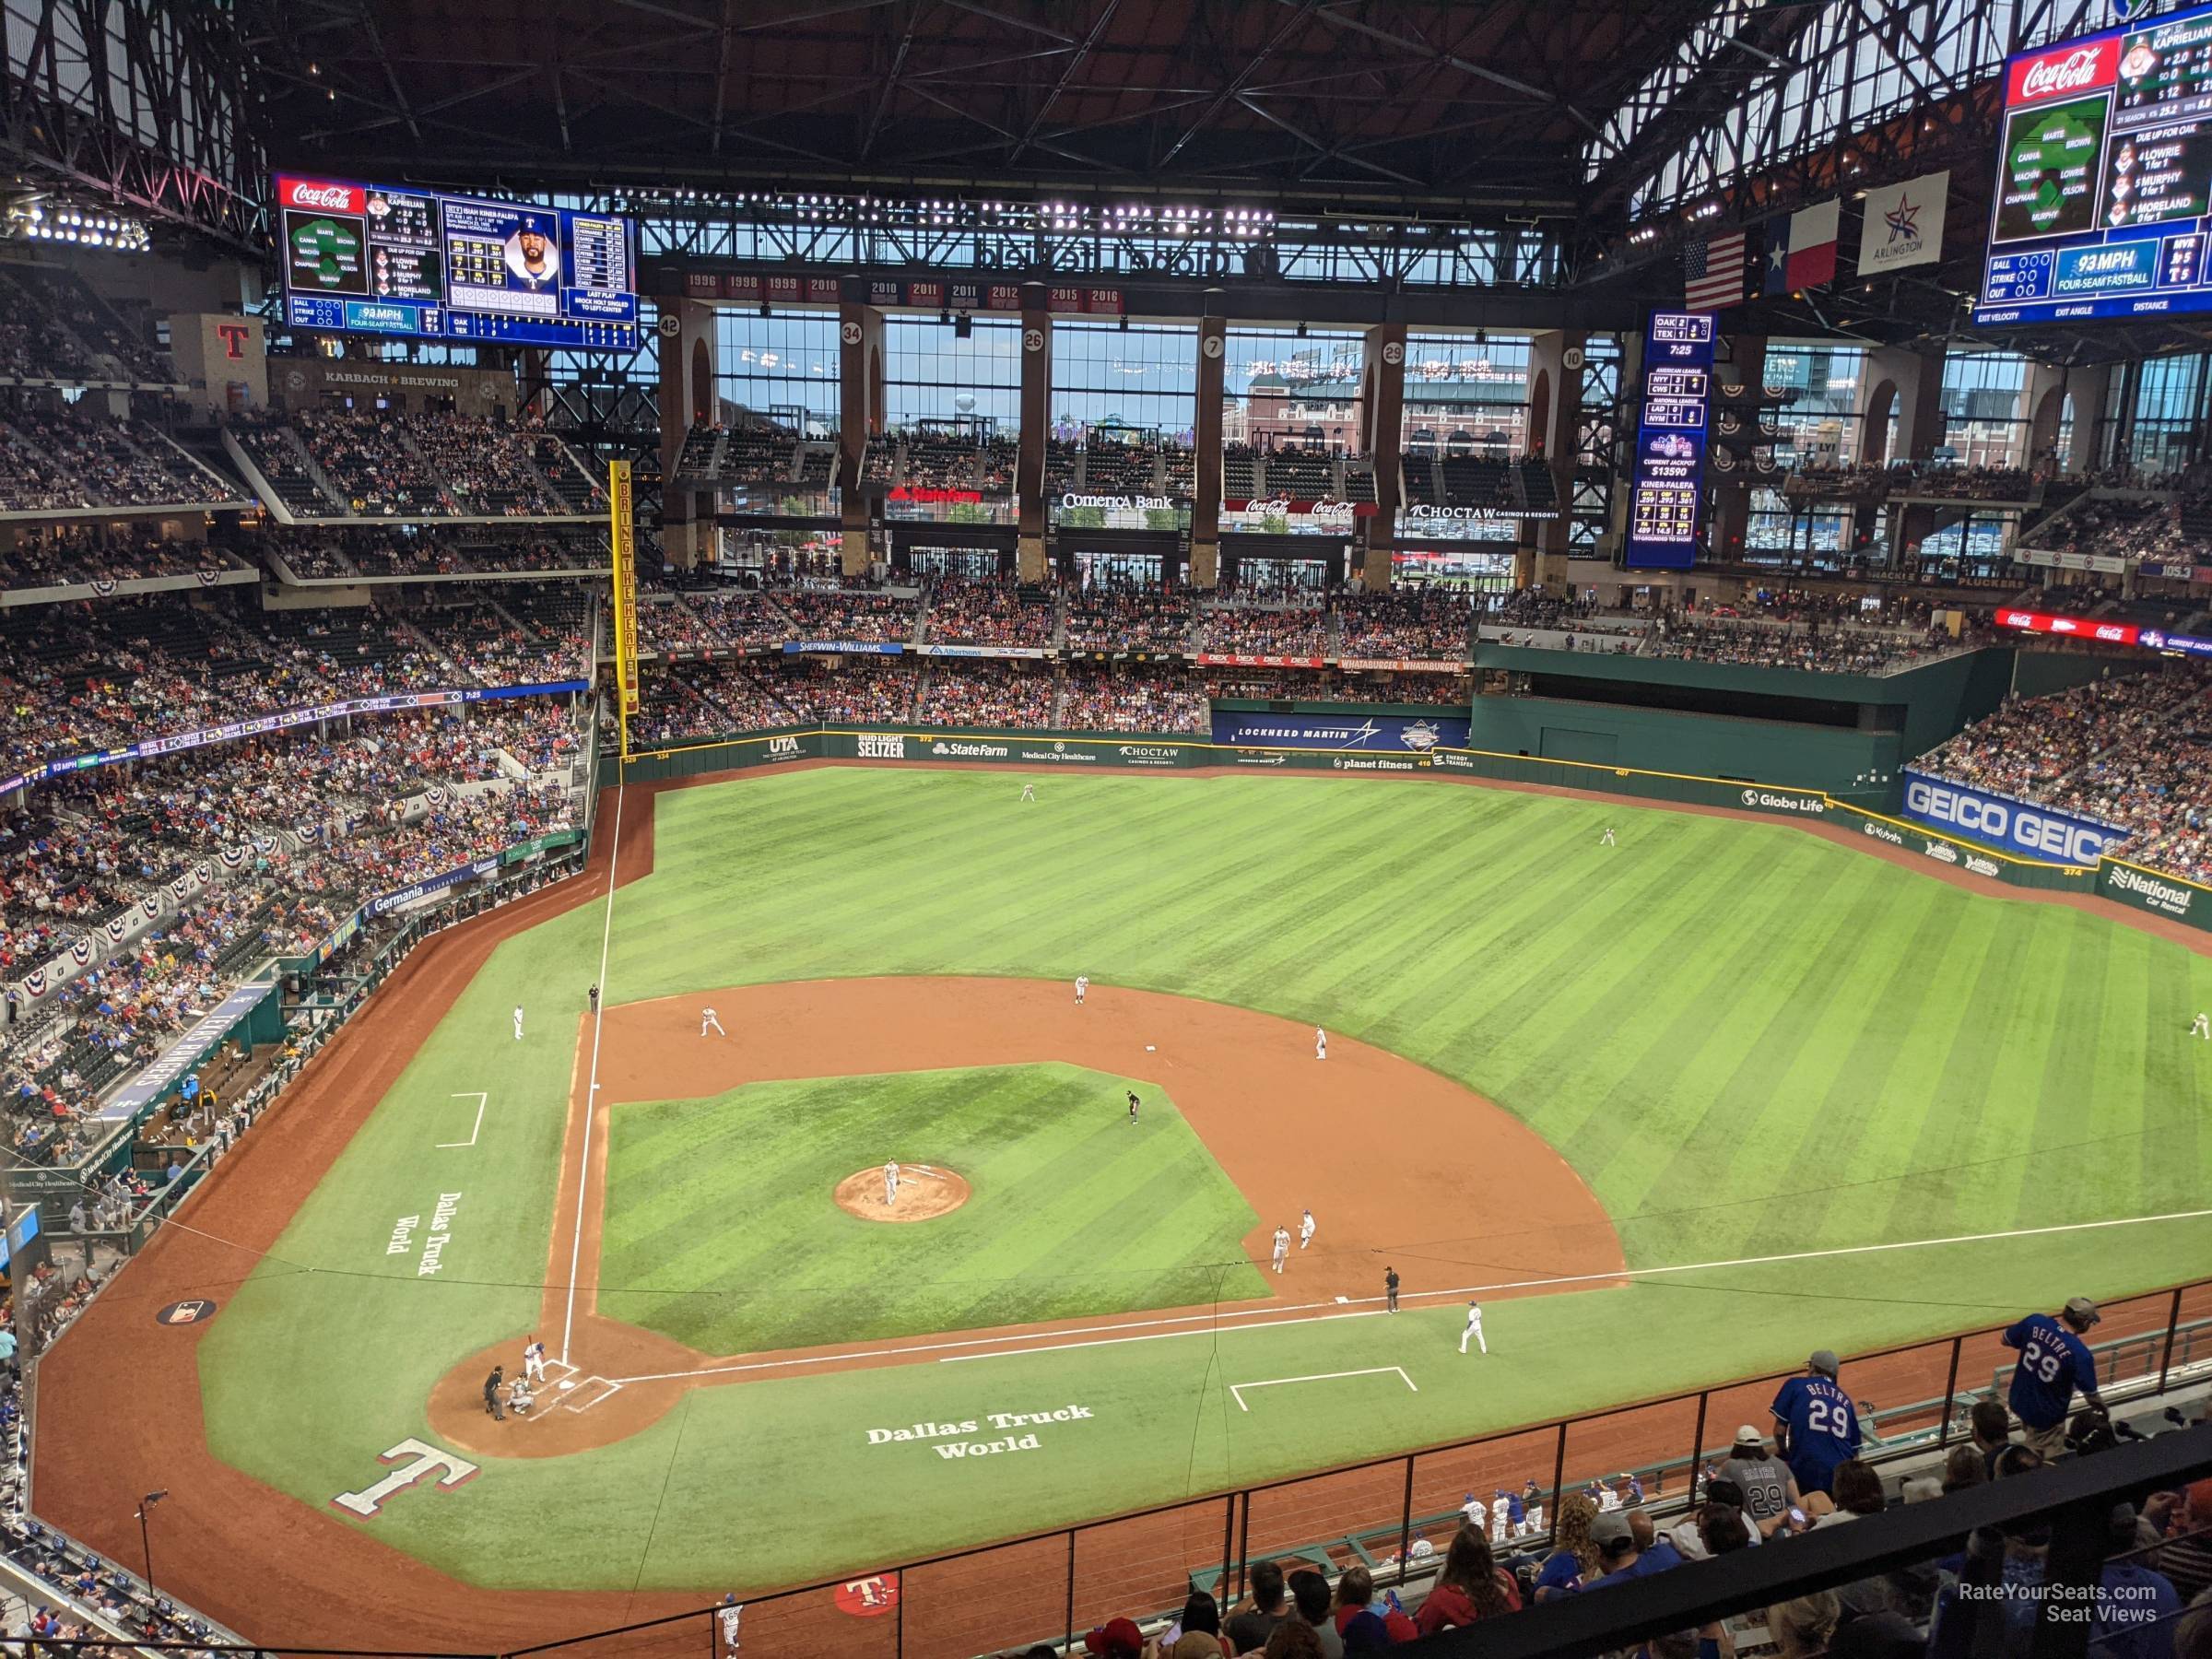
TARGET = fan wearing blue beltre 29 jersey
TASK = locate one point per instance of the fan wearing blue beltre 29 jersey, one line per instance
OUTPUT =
(2053, 1362)
(1815, 1425)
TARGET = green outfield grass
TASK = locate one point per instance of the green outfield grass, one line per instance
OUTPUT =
(721, 1231)
(1751, 1041)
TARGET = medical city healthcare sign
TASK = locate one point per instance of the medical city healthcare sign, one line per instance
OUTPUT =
(2019, 828)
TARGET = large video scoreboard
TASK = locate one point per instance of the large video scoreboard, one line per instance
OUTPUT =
(1664, 498)
(2104, 176)
(379, 260)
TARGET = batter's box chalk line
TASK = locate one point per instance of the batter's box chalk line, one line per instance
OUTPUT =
(1237, 1390)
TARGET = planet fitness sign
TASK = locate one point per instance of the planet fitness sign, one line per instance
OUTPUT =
(2037, 833)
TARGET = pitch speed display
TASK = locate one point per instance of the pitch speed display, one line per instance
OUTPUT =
(379, 260)
(2104, 176)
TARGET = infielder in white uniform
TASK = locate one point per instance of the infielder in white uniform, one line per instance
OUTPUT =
(1282, 1247)
(1082, 988)
(707, 1020)
(890, 1183)
(534, 1360)
(518, 1022)
(1305, 1229)
(1320, 1043)
(1473, 1329)
(2201, 1027)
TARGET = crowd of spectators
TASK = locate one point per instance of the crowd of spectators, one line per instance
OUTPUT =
(58, 460)
(990, 613)
(987, 693)
(94, 674)
(1868, 483)
(2032, 745)
(244, 851)
(2114, 526)
(1406, 622)
(386, 464)
(849, 691)
(1707, 638)
(65, 554)
(1106, 618)
(1299, 630)
(486, 464)
(852, 614)
(1128, 697)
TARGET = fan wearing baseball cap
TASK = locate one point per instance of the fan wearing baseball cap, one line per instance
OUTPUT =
(1116, 1638)
(2053, 1362)
(1769, 1489)
(1816, 1425)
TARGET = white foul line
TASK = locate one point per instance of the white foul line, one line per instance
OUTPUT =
(1297, 1313)
(591, 1098)
(472, 1133)
(1237, 1389)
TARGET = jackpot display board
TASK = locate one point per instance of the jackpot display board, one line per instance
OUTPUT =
(2104, 176)
(1670, 440)
(378, 260)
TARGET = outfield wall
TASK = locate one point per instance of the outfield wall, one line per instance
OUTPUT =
(2124, 883)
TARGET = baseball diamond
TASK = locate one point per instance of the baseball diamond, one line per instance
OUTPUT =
(1913, 1146)
(1106, 829)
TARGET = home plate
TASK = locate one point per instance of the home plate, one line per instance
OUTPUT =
(566, 1387)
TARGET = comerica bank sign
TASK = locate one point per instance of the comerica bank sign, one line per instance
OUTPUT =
(2037, 833)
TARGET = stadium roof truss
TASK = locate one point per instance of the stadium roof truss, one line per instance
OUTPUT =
(1412, 102)
(145, 102)
(1758, 85)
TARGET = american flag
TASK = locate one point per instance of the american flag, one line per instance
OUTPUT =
(1712, 273)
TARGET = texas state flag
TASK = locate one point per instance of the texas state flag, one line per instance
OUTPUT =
(1801, 248)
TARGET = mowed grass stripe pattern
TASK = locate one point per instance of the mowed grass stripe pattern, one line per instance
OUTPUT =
(1072, 1211)
(1737, 1033)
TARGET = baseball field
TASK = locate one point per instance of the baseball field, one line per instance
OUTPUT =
(1676, 1110)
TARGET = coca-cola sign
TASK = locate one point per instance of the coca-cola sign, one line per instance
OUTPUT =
(2064, 71)
(321, 195)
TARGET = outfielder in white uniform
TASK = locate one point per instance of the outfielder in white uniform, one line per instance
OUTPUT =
(1320, 1043)
(2201, 1026)
(1305, 1229)
(731, 1614)
(1606, 839)
(890, 1183)
(1028, 792)
(1282, 1247)
(1082, 988)
(707, 1019)
(518, 1022)
(534, 1360)
(1473, 1329)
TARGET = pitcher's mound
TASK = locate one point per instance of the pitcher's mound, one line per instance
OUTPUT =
(925, 1192)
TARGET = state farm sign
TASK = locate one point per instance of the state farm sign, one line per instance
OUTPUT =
(2085, 66)
(320, 195)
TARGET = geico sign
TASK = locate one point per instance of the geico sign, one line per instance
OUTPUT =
(2014, 826)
